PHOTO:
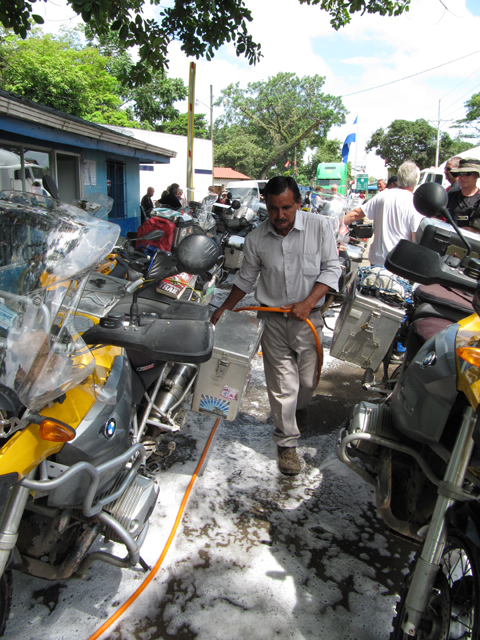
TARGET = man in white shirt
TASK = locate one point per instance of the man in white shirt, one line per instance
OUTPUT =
(393, 214)
(296, 256)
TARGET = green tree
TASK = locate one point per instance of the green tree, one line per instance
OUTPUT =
(86, 81)
(202, 26)
(471, 122)
(179, 126)
(274, 117)
(151, 103)
(416, 141)
(58, 73)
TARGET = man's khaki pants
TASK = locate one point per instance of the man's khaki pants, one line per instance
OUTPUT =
(290, 361)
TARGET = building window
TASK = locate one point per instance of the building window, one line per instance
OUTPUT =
(116, 188)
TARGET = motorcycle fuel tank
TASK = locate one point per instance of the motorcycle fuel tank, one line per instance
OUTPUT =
(425, 392)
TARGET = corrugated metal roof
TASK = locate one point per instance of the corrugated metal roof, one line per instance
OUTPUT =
(18, 107)
(225, 173)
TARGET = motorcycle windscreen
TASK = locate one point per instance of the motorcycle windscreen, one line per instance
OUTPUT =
(42, 355)
(47, 250)
(44, 242)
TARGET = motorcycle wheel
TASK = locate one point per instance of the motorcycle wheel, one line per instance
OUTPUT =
(453, 609)
(5, 599)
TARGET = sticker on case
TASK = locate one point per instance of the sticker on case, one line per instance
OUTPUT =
(215, 406)
(229, 393)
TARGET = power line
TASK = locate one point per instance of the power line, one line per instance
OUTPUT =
(407, 77)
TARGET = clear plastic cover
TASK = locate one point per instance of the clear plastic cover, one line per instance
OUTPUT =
(47, 251)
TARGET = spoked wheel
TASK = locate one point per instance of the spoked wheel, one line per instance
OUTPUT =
(5, 599)
(454, 606)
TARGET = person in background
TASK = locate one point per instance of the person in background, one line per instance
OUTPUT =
(316, 198)
(452, 165)
(381, 185)
(295, 255)
(392, 182)
(37, 188)
(170, 199)
(181, 197)
(334, 188)
(464, 203)
(146, 205)
(393, 214)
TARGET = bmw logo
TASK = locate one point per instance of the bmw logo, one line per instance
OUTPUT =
(429, 360)
(109, 429)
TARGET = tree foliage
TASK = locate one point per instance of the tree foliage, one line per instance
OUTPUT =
(417, 141)
(272, 118)
(151, 103)
(179, 126)
(471, 122)
(202, 26)
(86, 81)
(58, 73)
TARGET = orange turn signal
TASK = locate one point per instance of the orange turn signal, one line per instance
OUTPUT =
(470, 355)
(56, 431)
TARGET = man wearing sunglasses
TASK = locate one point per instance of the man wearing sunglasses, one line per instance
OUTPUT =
(452, 164)
(464, 204)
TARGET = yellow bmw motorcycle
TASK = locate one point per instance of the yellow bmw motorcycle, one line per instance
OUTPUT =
(420, 448)
(70, 461)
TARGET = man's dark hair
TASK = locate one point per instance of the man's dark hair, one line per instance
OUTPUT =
(279, 184)
(392, 179)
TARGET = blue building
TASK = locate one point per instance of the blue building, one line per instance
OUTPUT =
(82, 157)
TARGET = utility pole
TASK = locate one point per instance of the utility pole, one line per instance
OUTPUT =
(211, 134)
(437, 154)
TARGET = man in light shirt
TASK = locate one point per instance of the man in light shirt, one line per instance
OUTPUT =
(296, 256)
(393, 214)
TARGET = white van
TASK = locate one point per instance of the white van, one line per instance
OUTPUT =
(432, 174)
(241, 188)
(11, 176)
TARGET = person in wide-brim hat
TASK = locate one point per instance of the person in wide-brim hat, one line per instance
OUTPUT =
(468, 165)
(464, 204)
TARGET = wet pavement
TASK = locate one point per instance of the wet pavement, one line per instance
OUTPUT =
(258, 554)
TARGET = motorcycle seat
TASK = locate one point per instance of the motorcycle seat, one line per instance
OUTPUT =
(422, 330)
(441, 298)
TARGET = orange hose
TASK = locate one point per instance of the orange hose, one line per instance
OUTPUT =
(155, 569)
(315, 335)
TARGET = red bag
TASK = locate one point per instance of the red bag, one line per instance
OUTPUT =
(152, 224)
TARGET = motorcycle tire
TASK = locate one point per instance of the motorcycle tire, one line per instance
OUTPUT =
(453, 610)
(5, 599)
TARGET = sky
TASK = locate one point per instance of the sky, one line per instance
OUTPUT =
(370, 51)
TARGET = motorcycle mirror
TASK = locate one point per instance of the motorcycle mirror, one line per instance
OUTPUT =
(197, 254)
(429, 199)
(50, 185)
(236, 204)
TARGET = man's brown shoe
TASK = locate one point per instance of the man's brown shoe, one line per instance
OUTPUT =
(288, 461)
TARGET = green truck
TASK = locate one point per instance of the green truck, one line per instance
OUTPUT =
(329, 173)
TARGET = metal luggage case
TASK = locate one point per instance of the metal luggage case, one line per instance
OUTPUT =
(222, 381)
(183, 223)
(364, 330)
(234, 252)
